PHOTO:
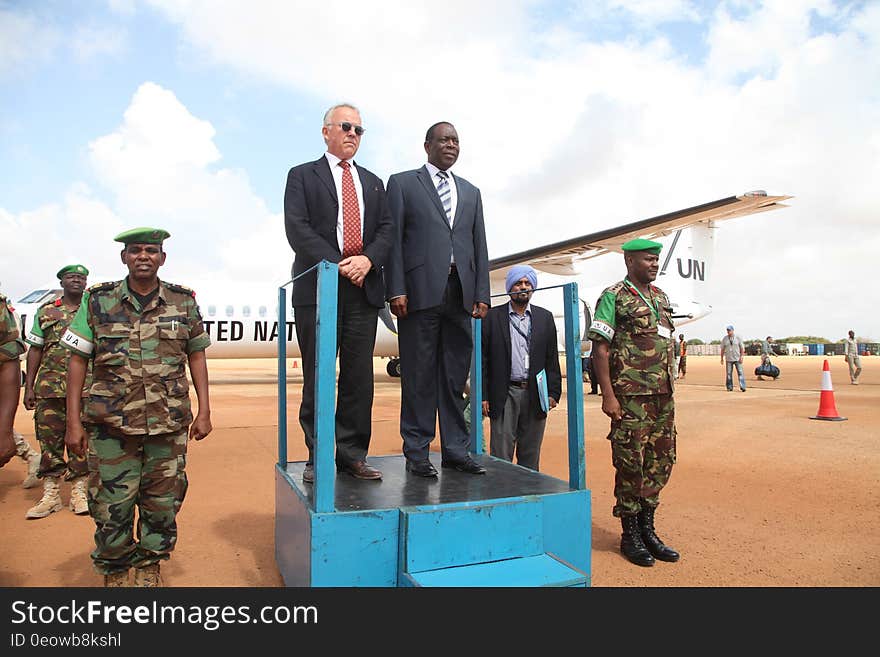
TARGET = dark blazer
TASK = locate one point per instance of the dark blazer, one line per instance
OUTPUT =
(311, 210)
(543, 355)
(423, 242)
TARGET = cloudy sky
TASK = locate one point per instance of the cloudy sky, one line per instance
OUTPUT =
(573, 117)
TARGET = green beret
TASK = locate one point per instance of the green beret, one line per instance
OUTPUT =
(142, 236)
(72, 269)
(643, 245)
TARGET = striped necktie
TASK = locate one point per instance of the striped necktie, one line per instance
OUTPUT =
(445, 194)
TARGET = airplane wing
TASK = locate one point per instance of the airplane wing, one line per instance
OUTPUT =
(562, 257)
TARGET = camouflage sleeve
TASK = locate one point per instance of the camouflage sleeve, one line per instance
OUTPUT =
(79, 337)
(11, 347)
(35, 337)
(605, 319)
(198, 337)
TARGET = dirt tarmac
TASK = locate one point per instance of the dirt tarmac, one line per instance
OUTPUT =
(760, 496)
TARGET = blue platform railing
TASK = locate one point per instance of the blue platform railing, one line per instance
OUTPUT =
(325, 385)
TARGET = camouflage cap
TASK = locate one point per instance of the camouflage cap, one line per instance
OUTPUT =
(642, 245)
(72, 269)
(143, 235)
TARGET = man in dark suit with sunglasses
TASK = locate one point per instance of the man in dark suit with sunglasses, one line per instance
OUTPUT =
(437, 279)
(336, 210)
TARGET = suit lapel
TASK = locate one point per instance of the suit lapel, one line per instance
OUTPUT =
(458, 204)
(505, 333)
(425, 178)
(369, 191)
(322, 170)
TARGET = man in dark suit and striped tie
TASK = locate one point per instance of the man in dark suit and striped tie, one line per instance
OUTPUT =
(335, 210)
(437, 279)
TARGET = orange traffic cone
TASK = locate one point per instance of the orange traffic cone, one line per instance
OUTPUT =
(827, 407)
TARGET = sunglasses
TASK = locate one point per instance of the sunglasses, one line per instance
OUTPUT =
(346, 126)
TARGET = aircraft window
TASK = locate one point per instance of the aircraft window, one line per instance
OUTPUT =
(229, 311)
(212, 310)
(33, 297)
(246, 311)
(262, 311)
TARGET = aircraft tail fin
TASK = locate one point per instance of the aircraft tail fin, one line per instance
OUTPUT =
(685, 270)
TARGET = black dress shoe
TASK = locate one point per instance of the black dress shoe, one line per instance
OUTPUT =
(468, 465)
(421, 468)
(361, 470)
(309, 474)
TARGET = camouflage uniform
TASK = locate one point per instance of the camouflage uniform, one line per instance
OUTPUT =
(11, 346)
(50, 388)
(137, 416)
(640, 366)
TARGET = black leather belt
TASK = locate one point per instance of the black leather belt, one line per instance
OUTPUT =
(519, 384)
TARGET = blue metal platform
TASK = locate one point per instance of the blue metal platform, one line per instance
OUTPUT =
(510, 527)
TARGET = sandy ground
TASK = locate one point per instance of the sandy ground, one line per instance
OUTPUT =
(760, 496)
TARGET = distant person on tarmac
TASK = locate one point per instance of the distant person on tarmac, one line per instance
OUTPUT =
(682, 358)
(851, 354)
(732, 351)
(766, 352)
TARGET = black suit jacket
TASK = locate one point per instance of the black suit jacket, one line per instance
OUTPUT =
(311, 210)
(543, 355)
(423, 242)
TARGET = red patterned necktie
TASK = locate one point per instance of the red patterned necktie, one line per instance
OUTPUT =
(351, 217)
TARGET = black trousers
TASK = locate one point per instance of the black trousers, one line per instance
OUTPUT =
(355, 341)
(435, 355)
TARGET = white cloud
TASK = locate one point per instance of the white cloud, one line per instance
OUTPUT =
(39, 242)
(159, 167)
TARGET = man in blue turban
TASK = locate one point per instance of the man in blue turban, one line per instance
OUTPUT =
(516, 273)
(522, 380)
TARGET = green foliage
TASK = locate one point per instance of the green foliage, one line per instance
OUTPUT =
(805, 339)
(694, 341)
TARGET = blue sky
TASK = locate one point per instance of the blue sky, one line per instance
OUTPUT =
(576, 116)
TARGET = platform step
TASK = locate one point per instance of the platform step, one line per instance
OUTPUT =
(538, 570)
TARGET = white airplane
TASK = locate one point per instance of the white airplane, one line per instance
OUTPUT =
(248, 328)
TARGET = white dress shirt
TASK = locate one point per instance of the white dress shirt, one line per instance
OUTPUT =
(336, 170)
(453, 192)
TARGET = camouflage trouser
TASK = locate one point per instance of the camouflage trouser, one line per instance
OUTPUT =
(128, 471)
(50, 421)
(642, 450)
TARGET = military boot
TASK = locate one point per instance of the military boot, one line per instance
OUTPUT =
(50, 502)
(33, 461)
(652, 541)
(631, 544)
(116, 580)
(147, 576)
(79, 501)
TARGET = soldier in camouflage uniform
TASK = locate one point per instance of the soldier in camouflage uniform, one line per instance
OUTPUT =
(45, 390)
(139, 333)
(22, 448)
(633, 357)
(11, 349)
